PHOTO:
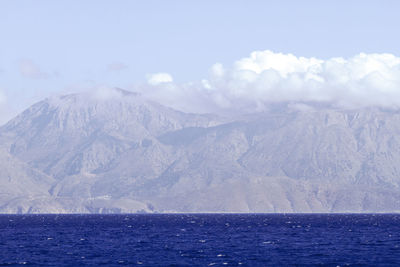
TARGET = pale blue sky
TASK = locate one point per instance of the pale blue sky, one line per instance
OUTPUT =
(63, 44)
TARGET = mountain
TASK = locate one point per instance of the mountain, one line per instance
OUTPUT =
(116, 151)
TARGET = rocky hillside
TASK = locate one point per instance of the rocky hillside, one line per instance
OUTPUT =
(122, 153)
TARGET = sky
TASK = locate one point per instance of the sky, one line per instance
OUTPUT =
(204, 55)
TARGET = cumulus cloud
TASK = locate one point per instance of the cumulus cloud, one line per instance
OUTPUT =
(30, 69)
(266, 77)
(116, 66)
(159, 78)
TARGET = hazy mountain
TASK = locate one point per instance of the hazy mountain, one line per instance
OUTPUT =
(118, 152)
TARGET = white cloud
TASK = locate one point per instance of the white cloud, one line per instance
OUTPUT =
(284, 64)
(159, 78)
(30, 69)
(265, 77)
(4, 113)
(104, 93)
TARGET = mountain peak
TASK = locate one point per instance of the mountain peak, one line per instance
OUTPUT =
(115, 143)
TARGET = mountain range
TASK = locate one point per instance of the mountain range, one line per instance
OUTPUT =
(119, 152)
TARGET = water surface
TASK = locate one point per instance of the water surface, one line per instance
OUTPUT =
(200, 239)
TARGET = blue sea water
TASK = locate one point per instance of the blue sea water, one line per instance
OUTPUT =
(201, 240)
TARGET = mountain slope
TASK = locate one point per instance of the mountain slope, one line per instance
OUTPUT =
(118, 152)
(83, 133)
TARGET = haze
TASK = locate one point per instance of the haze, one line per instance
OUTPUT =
(208, 56)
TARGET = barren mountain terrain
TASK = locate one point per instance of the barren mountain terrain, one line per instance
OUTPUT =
(121, 153)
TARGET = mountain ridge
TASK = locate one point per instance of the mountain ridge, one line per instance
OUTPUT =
(115, 151)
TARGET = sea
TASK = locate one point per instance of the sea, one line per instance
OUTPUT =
(200, 240)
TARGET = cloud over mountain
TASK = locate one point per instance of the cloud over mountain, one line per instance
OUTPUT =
(159, 78)
(5, 111)
(266, 76)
